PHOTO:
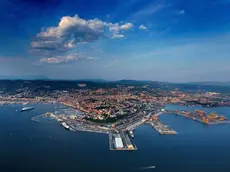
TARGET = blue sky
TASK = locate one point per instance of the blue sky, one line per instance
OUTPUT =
(164, 40)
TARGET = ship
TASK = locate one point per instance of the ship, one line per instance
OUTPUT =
(65, 125)
(27, 108)
(131, 134)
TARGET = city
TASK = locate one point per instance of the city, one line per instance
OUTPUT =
(118, 110)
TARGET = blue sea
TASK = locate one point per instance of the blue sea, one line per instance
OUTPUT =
(26, 145)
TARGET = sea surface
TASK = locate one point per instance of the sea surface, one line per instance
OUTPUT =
(26, 145)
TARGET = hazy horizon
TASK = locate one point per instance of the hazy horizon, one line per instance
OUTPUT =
(39, 77)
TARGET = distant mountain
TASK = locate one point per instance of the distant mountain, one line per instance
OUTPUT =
(124, 81)
(93, 80)
(11, 84)
(217, 83)
(210, 83)
(187, 87)
(25, 77)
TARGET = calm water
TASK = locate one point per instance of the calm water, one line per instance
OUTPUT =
(29, 146)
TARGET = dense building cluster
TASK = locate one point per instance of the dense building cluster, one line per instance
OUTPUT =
(112, 103)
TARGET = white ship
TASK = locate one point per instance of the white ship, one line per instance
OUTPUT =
(27, 108)
(65, 125)
(131, 133)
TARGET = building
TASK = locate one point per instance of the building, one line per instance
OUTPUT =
(118, 143)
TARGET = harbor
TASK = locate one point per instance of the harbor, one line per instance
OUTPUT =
(152, 148)
(121, 137)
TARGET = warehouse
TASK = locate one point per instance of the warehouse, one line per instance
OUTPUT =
(118, 143)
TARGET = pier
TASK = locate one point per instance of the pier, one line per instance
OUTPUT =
(135, 125)
(162, 128)
(121, 140)
(42, 116)
(159, 126)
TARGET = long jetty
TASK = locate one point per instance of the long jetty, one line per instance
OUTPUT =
(162, 128)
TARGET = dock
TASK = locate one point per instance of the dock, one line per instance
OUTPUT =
(135, 125)
(162, 128)
(121, 140)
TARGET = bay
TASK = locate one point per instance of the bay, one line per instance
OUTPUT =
(39, 147)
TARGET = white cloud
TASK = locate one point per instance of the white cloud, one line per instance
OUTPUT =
(66, 59)
(142, 27)
(51, 60)
(72, 31)
(69, 32)
(181, 12)
(116, 29)
(118, 36)
(126, 26)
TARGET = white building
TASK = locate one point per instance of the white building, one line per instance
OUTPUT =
(118, 143)
(162, 110)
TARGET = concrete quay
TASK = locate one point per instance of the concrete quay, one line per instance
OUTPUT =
(135, 125)
(121, 140)
(162, 128)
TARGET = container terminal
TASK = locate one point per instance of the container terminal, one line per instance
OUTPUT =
(201, 116)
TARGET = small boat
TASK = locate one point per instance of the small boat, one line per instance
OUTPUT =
(65, 125)
(149, 167)
(26, 109)
(131, 134)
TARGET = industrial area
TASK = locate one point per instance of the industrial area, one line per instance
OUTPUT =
(202, 117)
(121, 136)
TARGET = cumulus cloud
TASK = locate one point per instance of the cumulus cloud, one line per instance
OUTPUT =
(142, 27)
(74, 30)
(126, 26)
(71, 31)
(116, 29)
(65, 59)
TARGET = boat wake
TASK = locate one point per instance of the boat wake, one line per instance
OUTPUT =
(147, 168)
